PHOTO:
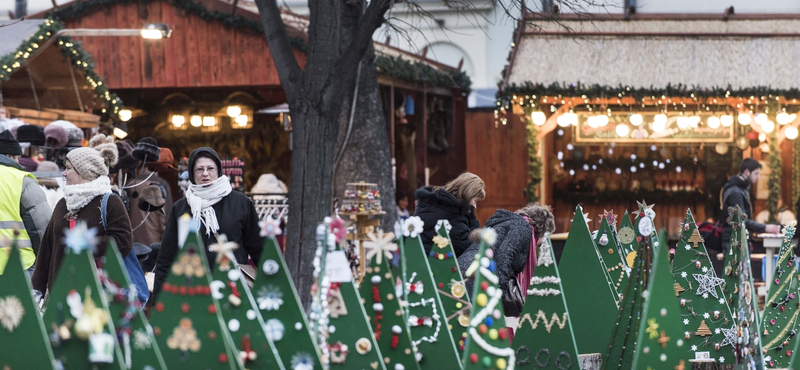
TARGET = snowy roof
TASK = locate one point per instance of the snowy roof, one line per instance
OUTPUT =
(13, 33)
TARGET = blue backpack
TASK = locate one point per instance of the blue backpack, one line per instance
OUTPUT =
(135, 272)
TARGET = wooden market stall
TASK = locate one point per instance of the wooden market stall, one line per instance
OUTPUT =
(668, 123)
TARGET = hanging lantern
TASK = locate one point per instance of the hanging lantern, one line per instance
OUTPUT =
(713, 122)
(768, 126)
(744, 118)
(761, 119)
(636, 119)
(726, 120)
(538, 118)
(791, 132)
(622, 130)
(782, 118)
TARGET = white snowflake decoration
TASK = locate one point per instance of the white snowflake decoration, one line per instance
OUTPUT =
(685, 321)
(413, 226)
(302, 361)
(721, 359)
(684, 274)
(694, 348)
(721, 300)
(705, 295)
(141, 340)
(446, 224)
(687, 247)
(80, 238)
(705, 269)
(706, 315)
(707, 283)
(270, 267)
(270, 227)
(716, 331)
(274, 329)
(269, 298)
(11, 312)
(379, 246)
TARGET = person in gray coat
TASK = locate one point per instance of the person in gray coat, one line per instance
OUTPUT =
(514, 231)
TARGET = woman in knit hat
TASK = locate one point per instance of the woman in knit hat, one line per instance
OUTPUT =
(86, 177)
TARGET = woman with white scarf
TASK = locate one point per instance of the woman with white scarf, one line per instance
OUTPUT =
(220, 210)
(86, 178)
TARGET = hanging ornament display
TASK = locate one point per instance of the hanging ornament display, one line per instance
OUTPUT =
(780, 320)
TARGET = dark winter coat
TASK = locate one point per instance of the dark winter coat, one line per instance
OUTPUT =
(510, 250)
(737, 192)
(51, 253)
(237, 218)
(433, 206)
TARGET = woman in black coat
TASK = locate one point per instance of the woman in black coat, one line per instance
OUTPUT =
(454, 202)
(513, 241)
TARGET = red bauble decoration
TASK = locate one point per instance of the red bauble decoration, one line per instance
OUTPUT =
(484, 285)
(185, 308)
(212, 309)
(160, 307)
(502, 333)
(473, 358)
(223, 358)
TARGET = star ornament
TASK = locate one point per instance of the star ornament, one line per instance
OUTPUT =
(645, 210)
(224, 250)
(380, 245)
(707, 283)
(652, 328)
(270, 227)
(610, 217)
(440, 241)
(80, 238)
(730, 336)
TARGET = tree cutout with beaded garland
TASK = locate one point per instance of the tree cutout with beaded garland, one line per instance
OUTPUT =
(627, 240)
(488, 344)
(659, 344)
(450, 284)
(352, 342)
(620, 351)
(732, 267)
(21, 326)
(140, 349)
(383, 302)
(606, 242)
(545, 324)
(187, 322)
(284, 320)
(81, 331)
(706, 318)
(749, 349)
(780, 318)
(427, 321)
(583, 280)
(240, 311)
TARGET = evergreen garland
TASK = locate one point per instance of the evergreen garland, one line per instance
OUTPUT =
(77, 56)
(774, 160)
(399, 68)
(534, 162)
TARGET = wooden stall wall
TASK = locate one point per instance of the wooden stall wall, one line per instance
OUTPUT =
(499, 156)
(199, 53)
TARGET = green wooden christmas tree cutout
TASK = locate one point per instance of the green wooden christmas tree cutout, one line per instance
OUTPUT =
(379, 292)
(187, 322)
(487, 344)
(426, 316)
(77, 316)
(450, 284)
(606, 242)
(748, 322)
(544, 335)
(141, 350)
(780, 318)
(627, 240)
(659, 344)
(583, 281)
(705, 314)
(21, 325)
(240, 311)
(285, 323)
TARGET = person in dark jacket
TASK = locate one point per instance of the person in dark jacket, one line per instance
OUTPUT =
(513, 241)
(219, 210)
(454, 202)
(737, 193)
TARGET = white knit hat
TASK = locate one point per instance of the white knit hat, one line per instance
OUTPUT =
(93, 162)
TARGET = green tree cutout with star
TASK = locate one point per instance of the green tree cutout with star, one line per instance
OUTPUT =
(780, 319)
(450, 284)
(707, 320)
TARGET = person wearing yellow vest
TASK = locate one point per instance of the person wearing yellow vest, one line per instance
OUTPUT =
(23, 205)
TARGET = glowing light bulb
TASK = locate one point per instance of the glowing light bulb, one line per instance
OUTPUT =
(178, 120)
(713, 122)
(538, 118)
(234, 111)
(636, 119)
(659, 127)
(782, 118)
(726, 120)
(768, 126)
(196, 121)
(761, 119)
(683, 122)
(791, 133)
(125, 115)
(602, 120)
(660, 118)
(622, 130)
(744, 118)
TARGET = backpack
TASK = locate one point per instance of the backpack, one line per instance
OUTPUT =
(135, 272)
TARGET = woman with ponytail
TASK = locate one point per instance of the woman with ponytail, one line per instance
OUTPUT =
(219, 210)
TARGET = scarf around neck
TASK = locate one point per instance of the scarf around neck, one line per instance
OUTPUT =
(201, 198)
(79, 195)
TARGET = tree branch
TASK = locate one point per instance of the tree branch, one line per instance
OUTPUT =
(289, 70)
(346, 68)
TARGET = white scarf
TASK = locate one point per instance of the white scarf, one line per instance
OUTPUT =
(78, 196)
(201, 197)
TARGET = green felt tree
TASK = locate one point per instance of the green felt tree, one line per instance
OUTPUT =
(426, 316)
(21, 326)
(781, 311)
(382, 301)
(627, 240)
(82, 333)
(187, 322)
(584, 284)
(624, 336)
(659, 343)
(450, 284)
(747, 321)
(731, 267)
(240, 311)
(606, 242)
(544, 335)
(140, 349)
(704, 311)
(284, 320)
(488, 341)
